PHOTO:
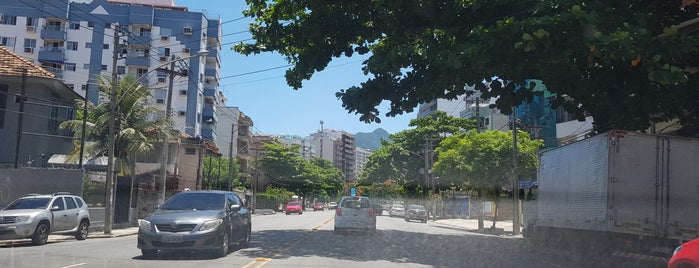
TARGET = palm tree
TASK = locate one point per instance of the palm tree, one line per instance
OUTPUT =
(139, 126)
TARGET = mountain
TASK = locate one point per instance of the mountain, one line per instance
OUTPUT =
(371, 141)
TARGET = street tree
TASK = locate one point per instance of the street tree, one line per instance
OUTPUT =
(484, 161)
(218, 174)
(623, 62)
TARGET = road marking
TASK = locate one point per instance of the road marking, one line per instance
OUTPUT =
(74, 265)
(259, 261)
(324, 223)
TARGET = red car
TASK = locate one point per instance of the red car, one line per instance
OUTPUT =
(318, 206)
(686, 255)
(294, 207)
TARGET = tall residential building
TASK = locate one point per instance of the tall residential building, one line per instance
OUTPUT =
(74, 39)
(306, 148)
(337, 147)
(361, 157)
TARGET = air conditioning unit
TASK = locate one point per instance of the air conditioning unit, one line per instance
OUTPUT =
(187, 31)
(161, 79)
(28, 50)
(164, 38)
(31, 29)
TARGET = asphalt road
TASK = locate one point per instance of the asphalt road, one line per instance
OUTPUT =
(308, 240)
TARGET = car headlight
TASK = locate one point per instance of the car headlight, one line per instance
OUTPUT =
(22, 218)
(677, 250)
(145, 225)
(210, 225)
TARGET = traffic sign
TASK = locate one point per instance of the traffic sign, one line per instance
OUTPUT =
(353, 191)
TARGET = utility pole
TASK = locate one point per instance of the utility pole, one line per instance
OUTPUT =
(168, 116)
(515, 180)
(20, 120)
(230, 157)
(82, 135)
(109, 203)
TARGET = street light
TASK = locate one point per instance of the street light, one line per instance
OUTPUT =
(168, 113)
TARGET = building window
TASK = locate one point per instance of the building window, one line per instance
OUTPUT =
(141, 72)
(7, 41)
(105, 46)
(88, 45)
(121, 70)
(190, 151)
(159, 101)
(104, 67)
(71, 86)
(90, 24)
(69, 66)
(28, 42)
(107, 25)
(32, 22)
(183, 92)
(74, 25)
(8, 20)
(72, 45)
(83, 87)
(181, 113)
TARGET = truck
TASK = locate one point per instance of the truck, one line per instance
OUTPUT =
(628, 194)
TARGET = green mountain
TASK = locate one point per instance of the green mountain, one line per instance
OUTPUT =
(371, 141)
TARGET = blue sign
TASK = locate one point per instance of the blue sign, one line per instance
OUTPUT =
(353, 191)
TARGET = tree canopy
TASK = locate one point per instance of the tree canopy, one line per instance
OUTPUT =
(624, 62)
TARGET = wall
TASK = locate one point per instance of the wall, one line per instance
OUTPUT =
(16, 183)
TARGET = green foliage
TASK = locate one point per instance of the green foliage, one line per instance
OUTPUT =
(218, 174)
(620, 61)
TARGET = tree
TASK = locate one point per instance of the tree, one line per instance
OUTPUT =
(484, 160)
(140, 127)
(622, 62)
(402, 160)
(218, 176)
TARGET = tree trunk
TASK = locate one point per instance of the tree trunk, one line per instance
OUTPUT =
(480, 210)
(495, 212)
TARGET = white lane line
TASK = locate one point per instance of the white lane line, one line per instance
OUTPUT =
(74, 265)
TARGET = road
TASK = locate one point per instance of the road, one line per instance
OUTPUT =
(306, 241)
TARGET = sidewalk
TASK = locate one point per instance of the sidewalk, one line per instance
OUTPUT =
(502, 228)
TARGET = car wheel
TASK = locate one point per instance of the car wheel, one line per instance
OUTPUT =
(149, 253)
(222, 251)
(406, 219)
(300, 213)
(248, 237)
(81, 234)
(288, 213)
(41, 234)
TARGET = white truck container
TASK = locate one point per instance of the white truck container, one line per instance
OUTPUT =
(618, 191)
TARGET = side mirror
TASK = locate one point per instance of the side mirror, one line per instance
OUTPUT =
(235, 207)
(55, 208)
(157, 206)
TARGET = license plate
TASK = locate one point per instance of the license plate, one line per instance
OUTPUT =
(171, 239)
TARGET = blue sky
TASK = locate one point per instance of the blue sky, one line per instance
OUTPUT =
(274, 107)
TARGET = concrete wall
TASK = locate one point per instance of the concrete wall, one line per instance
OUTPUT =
(15, 183)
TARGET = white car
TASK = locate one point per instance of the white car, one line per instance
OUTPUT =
(397, 211)
(355, 213)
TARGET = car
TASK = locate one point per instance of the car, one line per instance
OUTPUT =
(378, 209)
(318, 206)
(332, 205)
(686, 255)
(36, 216)
(397, 211)
(355, 213)
(416, 212)
(294, 207)
(207, 220)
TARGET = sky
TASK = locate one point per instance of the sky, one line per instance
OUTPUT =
(263, 94)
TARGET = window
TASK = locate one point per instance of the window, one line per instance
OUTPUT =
(159, 101)
(58, 203)
(181, 113)
(79, 201)
(70, 203)
(190, 151)
(187, 30)
(88, 45)
(90, 24)
(8, 20)
(183, 92)
(107, 25)
(28, 42)
(74, 25)
(7, 41)
(71, 86)
(141, 72)
(104, 67)
(72, 45)
(105, 46)
(69, 66)
(32, 22)
(121, 70)
(83, 87)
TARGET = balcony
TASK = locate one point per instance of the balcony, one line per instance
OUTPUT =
(137, 59)
(52, 54)
(143, 38)
(53, 32)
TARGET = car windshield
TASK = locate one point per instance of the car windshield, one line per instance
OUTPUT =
(29, 203)
(293, 204)
(417, 207)
(356, 203)
(195, 201)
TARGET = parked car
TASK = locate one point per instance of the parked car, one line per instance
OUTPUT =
(397, 211)
(332, 205)
(294, 207)
(196, 220)
(355, 213)
(318, 206)
(686, 255)
(378, 209)
(416, 212)
(36, 216)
